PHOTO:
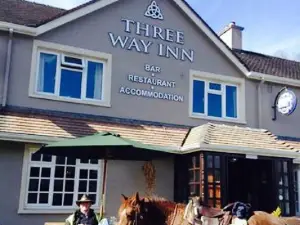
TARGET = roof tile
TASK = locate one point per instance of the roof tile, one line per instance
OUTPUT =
(54, 126)
(216, 134)
(271, 65)
(26, 13)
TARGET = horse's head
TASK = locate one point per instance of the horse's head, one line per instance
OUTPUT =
(132, 210)
(196, 206)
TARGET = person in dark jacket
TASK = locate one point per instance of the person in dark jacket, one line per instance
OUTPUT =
(84, 215)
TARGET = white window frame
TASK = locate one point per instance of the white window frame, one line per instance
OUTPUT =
(223, 80)
(25, 208)
(62, 51)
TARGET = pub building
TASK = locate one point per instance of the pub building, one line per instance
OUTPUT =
(152, 71)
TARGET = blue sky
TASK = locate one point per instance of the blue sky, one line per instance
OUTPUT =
(271, 26)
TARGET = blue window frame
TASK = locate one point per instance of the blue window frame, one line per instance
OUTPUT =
(68, 76)
(215, 99)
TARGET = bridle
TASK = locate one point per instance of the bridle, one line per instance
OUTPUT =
(137, 216)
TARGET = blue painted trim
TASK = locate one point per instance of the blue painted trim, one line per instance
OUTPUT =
(287, 138)
(20, 109)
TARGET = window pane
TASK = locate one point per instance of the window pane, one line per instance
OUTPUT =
(34, 172)
(70, 83)
(217, 162)
(82, 186)
(44, 185)
(231, 101)
(43, 198)
(46, 73)
(57, 199)
(73, 60)
(209, 161)
(58, 185)
(83, 174)
(94, 80)
(69, 186)
(59, 171)
(191, 176)
(32, 198)
(36, 157)
(93, 174)
(33, 185)
(215, 86)
(70, 172)
(60, 160)
(93, 186)
(47, 158)
(94, 161)
(71, 161)
(68, 200)
(93, 197)
(45, 172)
(214, 105)
(198, 96)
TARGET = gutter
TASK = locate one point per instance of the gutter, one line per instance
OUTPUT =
(242, 150)
(20, 29)
(29, 138)
(7, 68)
(274, 79)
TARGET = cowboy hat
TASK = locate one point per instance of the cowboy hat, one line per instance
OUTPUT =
(84, 198)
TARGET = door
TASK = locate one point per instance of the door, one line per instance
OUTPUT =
(285, 184)
(213, 179)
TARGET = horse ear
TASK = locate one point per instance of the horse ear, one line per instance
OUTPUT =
(124, 198)
(137, 197)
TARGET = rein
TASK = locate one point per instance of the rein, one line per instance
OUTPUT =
(174, 214)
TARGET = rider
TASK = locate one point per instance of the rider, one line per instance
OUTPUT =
(84, 215)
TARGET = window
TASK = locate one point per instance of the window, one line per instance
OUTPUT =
(53, 182)
(216, 97)
(70, 74)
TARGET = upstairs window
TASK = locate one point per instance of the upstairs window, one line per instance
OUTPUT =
(215, 97)
(70, 76)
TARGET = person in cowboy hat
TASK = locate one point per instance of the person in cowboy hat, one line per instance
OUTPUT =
(84, 215)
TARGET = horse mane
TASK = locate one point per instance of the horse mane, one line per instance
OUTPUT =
(156, 201)
(155, 198)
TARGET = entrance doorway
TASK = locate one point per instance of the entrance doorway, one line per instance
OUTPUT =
(250, 181)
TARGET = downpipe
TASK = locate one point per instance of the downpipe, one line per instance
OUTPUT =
(7, 68)
(259, 98)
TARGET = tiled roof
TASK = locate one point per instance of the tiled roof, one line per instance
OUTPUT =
(216, 134)
(66, 127)
(269, 64)
(33, 14)
(26, 13)
(295, 144)
(43, 125)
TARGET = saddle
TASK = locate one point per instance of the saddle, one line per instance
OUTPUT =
(215, 212)
(228, 213)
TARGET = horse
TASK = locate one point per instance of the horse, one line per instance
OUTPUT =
(152, 210)
(213, 216)
(159, 211)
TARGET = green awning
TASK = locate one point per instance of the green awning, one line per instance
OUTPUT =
(106, 145)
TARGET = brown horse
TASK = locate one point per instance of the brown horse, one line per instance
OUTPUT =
(150, 211)
(158, 211)
(213, 216)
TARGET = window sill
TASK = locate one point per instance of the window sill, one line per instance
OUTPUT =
(51, 211)
(79, 101)
(197, 116)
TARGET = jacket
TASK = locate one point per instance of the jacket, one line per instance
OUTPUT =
(74, 218)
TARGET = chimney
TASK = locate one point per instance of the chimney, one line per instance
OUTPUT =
(232, 36)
